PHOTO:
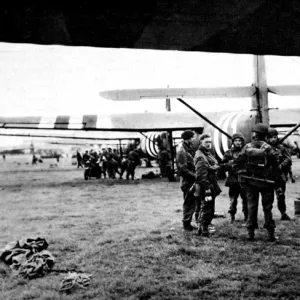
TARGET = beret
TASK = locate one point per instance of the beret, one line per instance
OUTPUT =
(187, 134)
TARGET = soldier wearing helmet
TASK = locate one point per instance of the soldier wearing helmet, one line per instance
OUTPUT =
(232, 179)
(285, 163)
(255, 165)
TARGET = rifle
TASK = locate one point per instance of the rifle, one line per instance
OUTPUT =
(257, 181)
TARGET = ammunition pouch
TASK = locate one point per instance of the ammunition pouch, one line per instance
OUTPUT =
(256, 182)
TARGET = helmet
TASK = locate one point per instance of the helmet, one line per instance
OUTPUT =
(272, 132)
(237, 135)
(260, 128)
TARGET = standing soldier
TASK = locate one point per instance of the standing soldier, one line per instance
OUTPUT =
(117, 157)
(112, 164)
(232, 180)
(186, 171)
(34, 160)
(163, 160)
(85, 157)
(207, 188)
(103, 161)
(255, 165)
(285, 163)
(79, 159)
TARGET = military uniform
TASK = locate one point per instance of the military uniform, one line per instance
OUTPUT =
(254, 186)
(281, 174)
(111, 164)
(163, 160)
(186, 171)
(231, 181)
(206, 177)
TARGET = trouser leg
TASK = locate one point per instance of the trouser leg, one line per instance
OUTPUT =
(188, 206)
(206, 215)
(267, 198)
(252, 194)
(104, 166)
(197, 208)
(233, 196)
(244, 203)
(280, 195)
(207, 211)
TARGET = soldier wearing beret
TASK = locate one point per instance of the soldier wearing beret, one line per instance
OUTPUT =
(186, 171)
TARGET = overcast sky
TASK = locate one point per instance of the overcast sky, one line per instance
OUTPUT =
(49, 80)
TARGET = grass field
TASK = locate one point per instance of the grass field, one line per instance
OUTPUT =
(128, 235)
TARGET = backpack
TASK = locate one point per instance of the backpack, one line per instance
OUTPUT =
(257, 161)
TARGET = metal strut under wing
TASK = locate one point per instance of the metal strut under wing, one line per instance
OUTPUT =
(204, 118)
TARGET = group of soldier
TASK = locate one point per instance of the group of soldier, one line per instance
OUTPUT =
(260, 167)
(109, 161)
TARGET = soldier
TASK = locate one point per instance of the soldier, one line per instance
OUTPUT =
(207, 188)
(112, 164)
(34, 160)
(117, 157)
(285, 163)
(255, 165)
(163, 160)
(79, 159)
(186, 171)
(129, 164)
(232, 180)
(85, 157)
(103, 161)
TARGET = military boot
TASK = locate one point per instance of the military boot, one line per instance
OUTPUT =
(245, 220)
(187, 226)
(251, 235)
(199, 231)
(232, 217)
(272, 237)
(205, 231)
(285, 217)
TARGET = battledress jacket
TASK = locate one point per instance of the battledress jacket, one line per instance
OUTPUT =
(206, 174)
(185, 165)
(227, 165)
(285, 162)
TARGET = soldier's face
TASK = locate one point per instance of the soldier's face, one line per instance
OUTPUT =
(238, 142)
(206, 143)
(191, 141)
(273, 139)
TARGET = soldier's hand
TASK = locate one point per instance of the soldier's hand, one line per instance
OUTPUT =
(208, 196)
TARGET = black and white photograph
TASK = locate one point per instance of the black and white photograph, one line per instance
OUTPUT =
(150, 150)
